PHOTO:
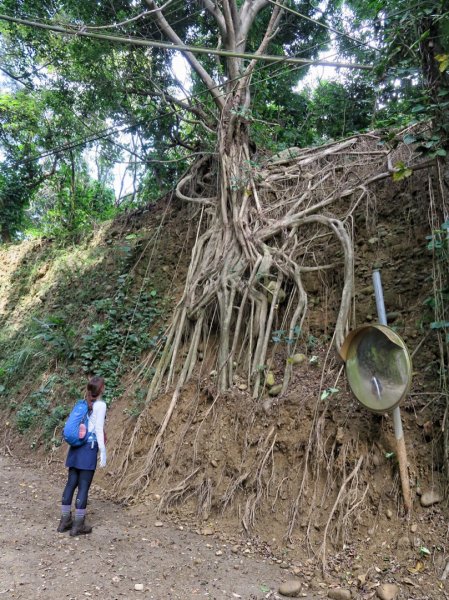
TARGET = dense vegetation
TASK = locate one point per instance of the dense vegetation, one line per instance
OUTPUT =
(74, 107)
(88, 86)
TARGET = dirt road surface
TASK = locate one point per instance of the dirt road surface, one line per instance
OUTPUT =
(126, 549)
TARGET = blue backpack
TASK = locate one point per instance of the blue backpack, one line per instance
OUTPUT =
(78, 416)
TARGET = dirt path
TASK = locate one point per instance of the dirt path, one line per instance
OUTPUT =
(125, 549)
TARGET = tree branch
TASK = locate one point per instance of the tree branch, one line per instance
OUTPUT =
(213, 10)
(194, 63)
(248, 13)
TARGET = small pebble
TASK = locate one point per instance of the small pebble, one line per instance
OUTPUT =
(339, 594)
(290, 588)
(388, 591)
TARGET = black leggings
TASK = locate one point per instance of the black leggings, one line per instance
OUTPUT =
(77, 478)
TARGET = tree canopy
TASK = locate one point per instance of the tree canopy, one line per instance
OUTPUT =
(67, 97)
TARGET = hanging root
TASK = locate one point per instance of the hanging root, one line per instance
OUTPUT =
(338, 501)
(258, 234)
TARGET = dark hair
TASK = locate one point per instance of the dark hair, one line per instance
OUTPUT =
(94, 388)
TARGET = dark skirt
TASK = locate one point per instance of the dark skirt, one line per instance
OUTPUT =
(83, 457)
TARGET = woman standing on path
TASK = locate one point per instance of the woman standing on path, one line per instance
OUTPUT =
(82, 462)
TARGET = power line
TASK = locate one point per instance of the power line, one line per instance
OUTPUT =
(324, 25)
(180, 47)
(109, 131)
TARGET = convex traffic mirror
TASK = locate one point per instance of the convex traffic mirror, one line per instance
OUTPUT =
(378, 366)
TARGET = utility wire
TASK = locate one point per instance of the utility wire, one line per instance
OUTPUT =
(328, 27)
(180, 47)
(109, 131)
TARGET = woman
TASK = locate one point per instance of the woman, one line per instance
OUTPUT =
(82, 462)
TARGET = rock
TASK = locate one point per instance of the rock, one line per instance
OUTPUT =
(373, 241)
(219, 553)
(214, 463)
(297, 359)
(376, 460)
(339, 594)
(403, 543)
(138, 587)
(414, 528)
(388, 591)
(158, 524)
(207, 531)
(431, 497)
(267, 404)
(389, 513)
(275, 390)
(269, 379)
(243, 387)
(392, 316)
(291, 588)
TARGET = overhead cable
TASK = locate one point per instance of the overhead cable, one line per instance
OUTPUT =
(81, 32)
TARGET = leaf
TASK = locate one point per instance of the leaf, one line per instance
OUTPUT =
(424, 551)
(443, 59)
(409, 139)
(389, 454)
(441, 152)
(439, 325)
(264, 589)
(418, 568)
(402, 174)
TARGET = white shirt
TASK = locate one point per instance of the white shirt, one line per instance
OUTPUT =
(96, 422)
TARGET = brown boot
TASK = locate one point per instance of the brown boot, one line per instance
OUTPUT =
(79, 527)
(65, 523)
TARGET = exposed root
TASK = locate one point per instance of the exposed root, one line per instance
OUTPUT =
(260, 232)
(338, 501)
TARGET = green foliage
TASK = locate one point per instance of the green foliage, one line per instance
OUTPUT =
(329, 392)
(138, 403)
(58, 334)
(37, 411)
(438, 303)
(122, 334)
(70, 204)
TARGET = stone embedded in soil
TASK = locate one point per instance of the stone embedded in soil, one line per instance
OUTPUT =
(207, 531)
(389, 513)
(291, 588)
(269, 379)
(297, 359)
(414, 528)
(275, 390)
(139, 587)
(431, 497)
(388, 591)
(268, 403)
(403, 543)
(158, 524)
(339, 594)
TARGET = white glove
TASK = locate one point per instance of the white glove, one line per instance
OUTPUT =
(103, 458)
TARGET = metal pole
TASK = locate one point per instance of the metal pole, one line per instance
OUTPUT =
(397, 422)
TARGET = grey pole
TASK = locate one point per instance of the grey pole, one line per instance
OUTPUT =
(397, 422)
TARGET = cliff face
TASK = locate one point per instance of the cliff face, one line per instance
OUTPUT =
(315, 469)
